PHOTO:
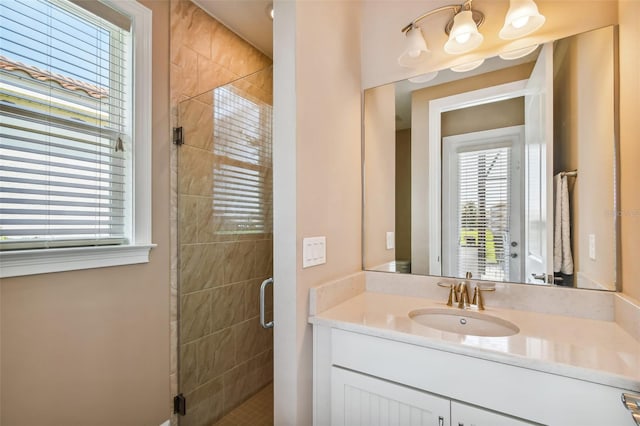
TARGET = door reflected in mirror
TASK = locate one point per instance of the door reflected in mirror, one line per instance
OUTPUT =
(507, 172)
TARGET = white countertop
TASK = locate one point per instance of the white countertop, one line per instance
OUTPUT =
(586, 349)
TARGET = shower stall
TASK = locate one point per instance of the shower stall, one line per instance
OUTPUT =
(225, 249)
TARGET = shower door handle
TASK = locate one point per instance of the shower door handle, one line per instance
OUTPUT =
(263, 286)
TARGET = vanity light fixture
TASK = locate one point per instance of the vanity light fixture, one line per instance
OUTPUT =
(423, 78)
(468, 66)
(416, 49)
(518, 53)
(462, 30)
(522, 19)
(464, 35)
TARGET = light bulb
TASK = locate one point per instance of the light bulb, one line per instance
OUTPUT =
(464, 35)
(520, 22)
(463, 38)
(522, 19)
(414, 53)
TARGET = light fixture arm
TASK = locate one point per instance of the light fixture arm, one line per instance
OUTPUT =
(478, 16)
(413, 23)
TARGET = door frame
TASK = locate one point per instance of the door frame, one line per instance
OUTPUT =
(438, 106)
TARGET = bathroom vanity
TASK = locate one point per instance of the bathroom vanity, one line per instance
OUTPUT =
(374, 364)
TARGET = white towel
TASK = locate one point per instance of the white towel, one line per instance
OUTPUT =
(562, 257)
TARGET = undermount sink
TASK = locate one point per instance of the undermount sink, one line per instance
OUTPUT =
(464, 322)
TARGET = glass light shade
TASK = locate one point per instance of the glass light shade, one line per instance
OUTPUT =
(464, 35)
(423, 78)
(415, 48)
(518, 53)
(522, 19)
(468, 66)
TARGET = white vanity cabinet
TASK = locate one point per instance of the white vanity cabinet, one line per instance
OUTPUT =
(361, 400)
(364, 379)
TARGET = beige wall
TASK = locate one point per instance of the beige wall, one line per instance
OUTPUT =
(92, 346)
(317, 187)
(629, 16)
(403, 194)
(379, 170)
(494, 115)
(225, 356)
(584, 141)
(419, 149)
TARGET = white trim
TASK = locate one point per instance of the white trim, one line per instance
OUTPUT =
(27, 262)
(142, 109)
(436, 108)
(44, 261)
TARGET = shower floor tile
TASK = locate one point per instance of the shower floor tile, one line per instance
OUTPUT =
(256, 411)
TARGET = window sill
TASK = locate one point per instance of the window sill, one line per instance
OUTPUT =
(31, 262)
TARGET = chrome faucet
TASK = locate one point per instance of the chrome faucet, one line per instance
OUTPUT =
(459, 293)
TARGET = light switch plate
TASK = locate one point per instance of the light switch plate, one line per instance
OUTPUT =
(314, 251)
(391, 240)
(592, 246)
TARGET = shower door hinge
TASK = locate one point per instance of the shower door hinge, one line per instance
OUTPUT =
(178, 139)
(179, 404)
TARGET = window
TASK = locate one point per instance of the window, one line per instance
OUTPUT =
(483, 220)
(74, 135)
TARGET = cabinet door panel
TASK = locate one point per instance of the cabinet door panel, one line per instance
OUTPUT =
(466, 415)
(363, 400)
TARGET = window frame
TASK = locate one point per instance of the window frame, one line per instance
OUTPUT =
(39, 261)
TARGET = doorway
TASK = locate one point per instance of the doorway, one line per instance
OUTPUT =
(481, 204)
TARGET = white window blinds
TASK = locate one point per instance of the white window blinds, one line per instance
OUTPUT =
(64, 125)
(242, 173)
(483, 219)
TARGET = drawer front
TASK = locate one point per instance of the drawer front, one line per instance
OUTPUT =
(466, 415)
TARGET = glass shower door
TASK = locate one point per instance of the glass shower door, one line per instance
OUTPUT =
(225, 249)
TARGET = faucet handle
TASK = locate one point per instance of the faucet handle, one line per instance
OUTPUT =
(477, 296)
(453, 294)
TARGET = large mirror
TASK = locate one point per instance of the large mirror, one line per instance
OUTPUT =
(507, 171)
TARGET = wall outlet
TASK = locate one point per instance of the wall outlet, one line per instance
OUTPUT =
(314, 251)
(592, 246)
(391, 240)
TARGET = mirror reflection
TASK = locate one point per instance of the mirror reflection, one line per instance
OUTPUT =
(507, 171)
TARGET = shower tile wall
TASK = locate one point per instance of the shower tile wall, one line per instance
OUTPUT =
(225, 355)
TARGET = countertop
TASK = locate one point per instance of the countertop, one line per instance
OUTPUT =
(596, 351)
